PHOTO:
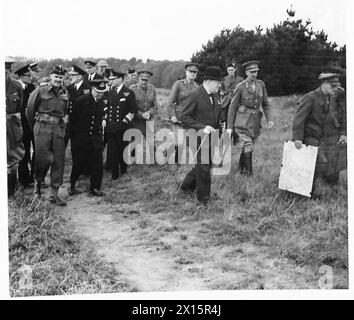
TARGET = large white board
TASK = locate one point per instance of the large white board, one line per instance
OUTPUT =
(297, 168)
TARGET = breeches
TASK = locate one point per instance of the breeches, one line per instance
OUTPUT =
(246, 142)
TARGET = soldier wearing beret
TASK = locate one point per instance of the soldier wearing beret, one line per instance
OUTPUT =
(245, 116)
(180, 91)
(321, 121)
(86, 137)
(146, 101)
(120, 111)
(202, 111)
(14, 144)
(26, 176)
(47, 116)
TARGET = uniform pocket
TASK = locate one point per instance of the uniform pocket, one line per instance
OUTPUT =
(242, 118)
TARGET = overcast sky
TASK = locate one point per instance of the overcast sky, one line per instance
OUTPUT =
(153, 29)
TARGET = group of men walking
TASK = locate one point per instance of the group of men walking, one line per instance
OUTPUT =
(99, 104)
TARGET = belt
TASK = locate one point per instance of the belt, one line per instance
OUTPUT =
(48, 119)
(254, 109)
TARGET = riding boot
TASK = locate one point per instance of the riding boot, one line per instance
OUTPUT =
(241, 163)
(11, 184)
(37, 188)
(248, 164)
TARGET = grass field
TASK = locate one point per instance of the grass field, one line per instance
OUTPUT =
(143, 237)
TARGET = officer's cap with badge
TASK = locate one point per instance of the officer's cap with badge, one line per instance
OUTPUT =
(89, 64)
(192, 66)
(23, 71)
(75, 70)
(34, 67)
(59, 70)
(131, 70)
(102, 63)
(99, 85)
(116, 74)
(145, 74)
(8, 63)
(251, 65)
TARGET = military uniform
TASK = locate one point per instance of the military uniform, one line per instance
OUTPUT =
(47, 107)
(180, 91)
(228, 86)
(86, 140)
(245, 116)
(14, 134)
(146, 100)
(319, 121)
(120, 104)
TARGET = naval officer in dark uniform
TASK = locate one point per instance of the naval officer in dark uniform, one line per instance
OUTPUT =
(120, 111)
(86, 137)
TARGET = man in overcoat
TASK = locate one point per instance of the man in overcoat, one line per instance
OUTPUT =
(202, 112)
(320, 121)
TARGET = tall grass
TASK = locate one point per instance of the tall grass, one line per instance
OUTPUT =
(41, 239)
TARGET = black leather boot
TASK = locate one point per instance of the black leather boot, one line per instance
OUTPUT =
(72, 190)
(241, 163)
(248, 164)
(11, 184)
(37, 188)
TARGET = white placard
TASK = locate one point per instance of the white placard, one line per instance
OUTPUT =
(298, 168)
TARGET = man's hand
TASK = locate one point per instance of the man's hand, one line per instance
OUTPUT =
(146, 115)
(103, 124)
(298, 144)
(270, 124)
(229, 131)
(208, 129)
(174, 119)
(342, 139)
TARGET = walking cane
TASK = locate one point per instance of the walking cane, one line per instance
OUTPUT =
(180, 185)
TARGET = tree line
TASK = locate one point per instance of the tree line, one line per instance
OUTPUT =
(291, 57)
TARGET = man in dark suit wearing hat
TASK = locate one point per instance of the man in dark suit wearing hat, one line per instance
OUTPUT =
(46, 114)
(26, 176)
(321, 121)
(120, 111)
(202, 111)
(86, 137)
(245, 116)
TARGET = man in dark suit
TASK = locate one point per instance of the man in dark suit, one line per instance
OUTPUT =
(26, 176)
(202, 112)
(86, 137)
(119, 114)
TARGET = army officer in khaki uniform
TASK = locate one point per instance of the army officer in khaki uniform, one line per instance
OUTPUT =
(47, 116)
(146, 101)
(245, 115)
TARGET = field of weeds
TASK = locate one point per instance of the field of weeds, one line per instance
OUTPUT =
(251, 235)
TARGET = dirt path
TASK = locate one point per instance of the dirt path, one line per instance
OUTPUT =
(157, 253)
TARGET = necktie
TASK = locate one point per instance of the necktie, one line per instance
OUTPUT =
(211, 99)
